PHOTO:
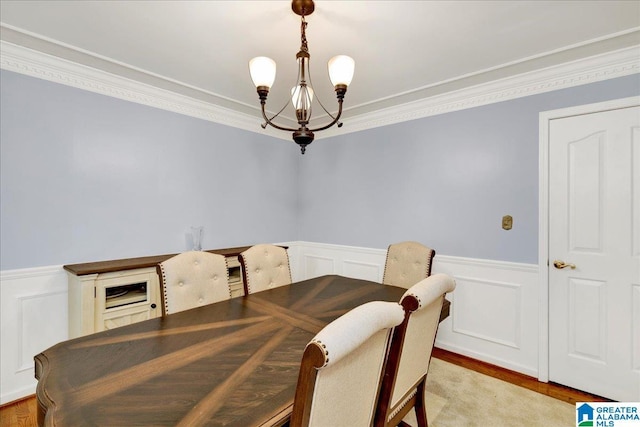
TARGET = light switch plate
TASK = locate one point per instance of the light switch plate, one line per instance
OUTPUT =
(507, 222)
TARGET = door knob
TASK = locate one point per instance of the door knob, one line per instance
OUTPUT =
(561, 264)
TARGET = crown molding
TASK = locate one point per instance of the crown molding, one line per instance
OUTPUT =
(593, 69)
(34, 63)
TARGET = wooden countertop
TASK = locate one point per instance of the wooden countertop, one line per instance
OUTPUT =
(141, 262)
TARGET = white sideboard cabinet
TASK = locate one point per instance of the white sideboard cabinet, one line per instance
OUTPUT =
(109, 294)
(107, 300)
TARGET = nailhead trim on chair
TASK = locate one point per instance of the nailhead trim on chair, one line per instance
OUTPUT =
(324, 351)
(404, 403)
(164, 288)
(417, 298)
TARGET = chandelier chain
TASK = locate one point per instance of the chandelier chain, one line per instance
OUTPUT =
(303, 36)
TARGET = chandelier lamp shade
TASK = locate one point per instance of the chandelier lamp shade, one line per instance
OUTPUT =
(263, 74)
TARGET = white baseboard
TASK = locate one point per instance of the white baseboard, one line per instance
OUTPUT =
(507, 364)
(19, 393)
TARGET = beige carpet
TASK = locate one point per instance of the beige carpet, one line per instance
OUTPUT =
(460, 397)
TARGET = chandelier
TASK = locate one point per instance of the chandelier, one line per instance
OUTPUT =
(263, 74)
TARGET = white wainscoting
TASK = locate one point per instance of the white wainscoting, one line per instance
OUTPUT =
(317, 259)
(33, 316)
(494, 312)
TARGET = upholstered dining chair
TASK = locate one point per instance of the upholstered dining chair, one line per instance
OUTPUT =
(342, 367)
(407, 263)
(264, 267)
(410, 352)
(192, 279)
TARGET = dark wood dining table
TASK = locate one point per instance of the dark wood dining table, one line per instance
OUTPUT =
(232, 363)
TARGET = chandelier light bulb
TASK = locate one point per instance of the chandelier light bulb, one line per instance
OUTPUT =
(341, 68)
(263, 71)
(301, 97)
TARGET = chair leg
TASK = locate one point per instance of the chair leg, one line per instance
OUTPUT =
(421, 412)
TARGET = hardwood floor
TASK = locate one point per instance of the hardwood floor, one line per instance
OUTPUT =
(560, 392)
(23, 412)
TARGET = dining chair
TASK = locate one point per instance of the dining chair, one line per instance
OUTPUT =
(407, 263)
(264, 267)
(192, 279)
(342, 366)
(410, 352)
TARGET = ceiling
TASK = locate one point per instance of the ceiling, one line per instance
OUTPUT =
(404, 50)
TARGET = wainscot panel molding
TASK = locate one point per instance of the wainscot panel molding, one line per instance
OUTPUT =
(317, 259)
(494, 307)
(19, 59)
(494, 311)
(33, 317)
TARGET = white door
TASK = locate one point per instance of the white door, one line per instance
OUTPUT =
(594, 225)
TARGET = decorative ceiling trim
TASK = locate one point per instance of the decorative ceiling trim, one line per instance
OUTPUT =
(48, 67)
(606, 66)
(597, 68)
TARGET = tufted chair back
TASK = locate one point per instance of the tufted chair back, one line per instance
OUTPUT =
(411, 349)
(192, 279)
(342, 365)
(264, 267)
(407, 263)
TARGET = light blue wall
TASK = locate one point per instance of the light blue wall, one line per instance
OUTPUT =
(86, 177)
(445, 180)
